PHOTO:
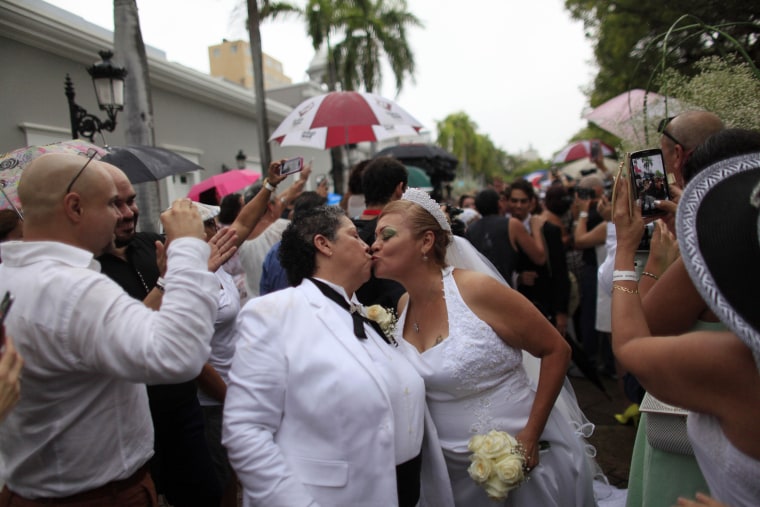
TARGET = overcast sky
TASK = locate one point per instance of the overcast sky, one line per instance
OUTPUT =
(516, 67)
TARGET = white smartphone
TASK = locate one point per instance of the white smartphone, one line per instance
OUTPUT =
(292, 165)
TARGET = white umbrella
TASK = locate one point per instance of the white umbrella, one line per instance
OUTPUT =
(339, 118)
(625, 116)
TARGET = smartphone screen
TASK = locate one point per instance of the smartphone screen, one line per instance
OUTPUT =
(292, 165)
(648, 180)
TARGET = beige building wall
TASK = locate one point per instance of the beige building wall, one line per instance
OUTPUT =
(231, 60)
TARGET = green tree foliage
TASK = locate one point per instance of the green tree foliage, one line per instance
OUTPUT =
(367, 31)
(478, 156)
(630, 43)
(727, 87)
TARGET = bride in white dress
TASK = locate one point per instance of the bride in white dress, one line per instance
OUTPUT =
(465, 333)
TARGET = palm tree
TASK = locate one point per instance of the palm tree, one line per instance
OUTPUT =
(271, 10)
(369, 30)
(129, 51)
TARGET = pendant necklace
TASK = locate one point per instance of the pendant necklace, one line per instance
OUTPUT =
(416, 324)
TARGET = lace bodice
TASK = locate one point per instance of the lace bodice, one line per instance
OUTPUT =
(730, 474)
(473, 358)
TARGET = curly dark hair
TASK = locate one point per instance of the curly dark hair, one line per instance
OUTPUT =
(297, 251)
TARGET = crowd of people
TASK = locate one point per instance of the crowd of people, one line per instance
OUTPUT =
(290, 353)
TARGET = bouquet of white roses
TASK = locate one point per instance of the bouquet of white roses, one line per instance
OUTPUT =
(497, 464)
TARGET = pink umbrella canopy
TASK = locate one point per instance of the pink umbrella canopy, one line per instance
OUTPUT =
(224, 183)
(626, 117)
(12, 164)
(339, 118)
(581, 149)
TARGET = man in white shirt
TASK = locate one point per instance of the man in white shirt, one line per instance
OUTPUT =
(82, 428)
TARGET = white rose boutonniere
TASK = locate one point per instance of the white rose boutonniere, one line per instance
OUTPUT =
(385, 318)
(497, 463)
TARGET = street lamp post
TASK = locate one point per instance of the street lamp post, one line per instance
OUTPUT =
(241, 159)
(108, 81)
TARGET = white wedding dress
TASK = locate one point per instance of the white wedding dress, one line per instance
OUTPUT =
(475, 383)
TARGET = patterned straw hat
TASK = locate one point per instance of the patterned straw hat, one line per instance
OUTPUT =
(718, 225)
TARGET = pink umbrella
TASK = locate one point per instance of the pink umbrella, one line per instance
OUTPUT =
(626, 117)
(12, 164)
(224, 183)
(581, 149)
(339, 118)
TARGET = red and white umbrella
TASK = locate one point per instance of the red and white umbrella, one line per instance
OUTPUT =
(581, 149)
(339, 118)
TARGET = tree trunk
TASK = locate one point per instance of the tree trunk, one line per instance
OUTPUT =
(258, 84)
(137, 117)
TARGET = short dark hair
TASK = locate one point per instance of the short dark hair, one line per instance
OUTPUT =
(229, 208)
(9, 219)
(487, 202)
(307, 200)
(355, 177)
(380, 178)
(525, 186)
(297, 251)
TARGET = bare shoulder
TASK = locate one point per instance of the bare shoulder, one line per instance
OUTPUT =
(476, 287)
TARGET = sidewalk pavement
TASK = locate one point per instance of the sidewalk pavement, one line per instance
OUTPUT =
(612, 440)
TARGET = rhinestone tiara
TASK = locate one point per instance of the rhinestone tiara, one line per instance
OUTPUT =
(421, 198)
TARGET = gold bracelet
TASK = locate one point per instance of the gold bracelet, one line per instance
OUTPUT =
(624, 289)
(650, 275)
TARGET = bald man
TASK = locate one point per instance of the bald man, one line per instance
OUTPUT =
(680, 137)
(82, 429)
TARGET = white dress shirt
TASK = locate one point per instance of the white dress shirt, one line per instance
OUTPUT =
(253, 251)
(83, 418)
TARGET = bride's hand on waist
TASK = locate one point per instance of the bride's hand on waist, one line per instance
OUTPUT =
(530, 449)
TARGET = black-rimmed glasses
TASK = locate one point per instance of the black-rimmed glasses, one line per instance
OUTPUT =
(90, 155)
(661, 128)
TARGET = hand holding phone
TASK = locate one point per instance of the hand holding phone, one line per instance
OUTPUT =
(292, 165)
(648, 181)
(594, 149)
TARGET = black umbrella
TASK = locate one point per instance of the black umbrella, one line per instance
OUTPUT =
(585, 366)
(148, 163)
(428, 152)
(439, 164)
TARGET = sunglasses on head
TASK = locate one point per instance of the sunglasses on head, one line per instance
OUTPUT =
(90, 155)
(662, 129)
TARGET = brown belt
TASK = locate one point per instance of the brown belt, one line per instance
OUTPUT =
(106, 493)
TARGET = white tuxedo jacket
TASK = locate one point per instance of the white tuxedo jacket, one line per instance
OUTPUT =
(307, 420)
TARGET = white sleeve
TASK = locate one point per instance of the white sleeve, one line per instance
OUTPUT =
(117, 334)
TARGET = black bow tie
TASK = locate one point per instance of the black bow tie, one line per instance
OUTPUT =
(355, 311)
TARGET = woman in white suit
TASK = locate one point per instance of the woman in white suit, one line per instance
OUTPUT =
(322, 408)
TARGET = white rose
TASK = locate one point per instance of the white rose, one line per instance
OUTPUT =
(475, 442)
(480, 469)
(381, 316)
(496, 489)
(510, 469)
(496, 444)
